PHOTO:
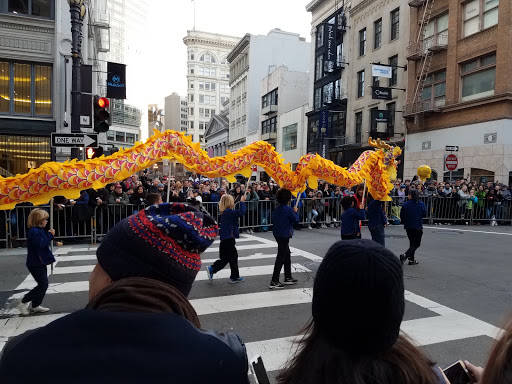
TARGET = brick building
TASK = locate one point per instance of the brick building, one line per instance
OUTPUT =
(459, 87)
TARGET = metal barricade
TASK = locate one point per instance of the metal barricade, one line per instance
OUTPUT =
(105, 218)
(5, 217)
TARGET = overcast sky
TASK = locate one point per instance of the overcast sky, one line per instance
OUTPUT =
(169, 20)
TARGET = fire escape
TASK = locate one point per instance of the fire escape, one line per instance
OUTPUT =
(422, 51)
(99, 31)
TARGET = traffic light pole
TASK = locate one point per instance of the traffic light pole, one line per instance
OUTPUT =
(76, 28)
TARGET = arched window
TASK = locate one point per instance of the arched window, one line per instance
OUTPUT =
(224, 61)
(208, 58)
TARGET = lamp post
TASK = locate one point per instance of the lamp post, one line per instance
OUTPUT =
(77, 10)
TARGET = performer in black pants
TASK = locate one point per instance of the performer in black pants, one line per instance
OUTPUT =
(412, 214)
(228, 232)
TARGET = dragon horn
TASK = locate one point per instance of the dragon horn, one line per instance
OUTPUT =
(378, 143)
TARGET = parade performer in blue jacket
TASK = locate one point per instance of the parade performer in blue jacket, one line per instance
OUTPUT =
(350, 218)
(38, 257)
(412, 214)
(376, 220)
(283, 219)
(228, 233)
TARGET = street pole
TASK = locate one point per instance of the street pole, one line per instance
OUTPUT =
(77, 10)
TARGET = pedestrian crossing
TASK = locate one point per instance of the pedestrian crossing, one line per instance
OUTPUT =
(268, 321)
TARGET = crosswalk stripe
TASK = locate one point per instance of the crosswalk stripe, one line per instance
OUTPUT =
(81, 286)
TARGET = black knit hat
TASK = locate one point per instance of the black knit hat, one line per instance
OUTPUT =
(358, 297)
(163, 242)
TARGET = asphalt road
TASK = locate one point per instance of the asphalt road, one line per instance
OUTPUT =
(463, 278)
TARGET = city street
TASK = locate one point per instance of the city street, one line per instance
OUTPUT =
(457, 296)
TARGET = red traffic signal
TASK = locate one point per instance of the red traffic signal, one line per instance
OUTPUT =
(103, 102)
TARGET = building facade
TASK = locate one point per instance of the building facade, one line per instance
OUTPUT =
(459, 88)
(176, 113)
(253, 58)
(207, 78)
(126, 121)
(217, 133)
(281, 92)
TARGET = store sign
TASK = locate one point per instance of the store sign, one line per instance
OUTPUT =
(116, 81)
(380, 93)
(324, 120)
(381, 116)
(381, 71)
(330, 54)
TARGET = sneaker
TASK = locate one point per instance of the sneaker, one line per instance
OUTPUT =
(313, 222)
(309, 227)
(23, 307)
(413, 262)
(290, 281)
(40, 309)
(403, 258)
(234, 281)
(275, 285)
(210, 273)
(324, 226)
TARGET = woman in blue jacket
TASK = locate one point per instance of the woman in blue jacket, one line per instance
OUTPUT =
(228, 233)
(38, 257)
(283, 219)
(412, 214)
(350, 218)
(376, 220)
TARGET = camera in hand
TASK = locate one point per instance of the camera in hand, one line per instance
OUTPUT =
(457, 373)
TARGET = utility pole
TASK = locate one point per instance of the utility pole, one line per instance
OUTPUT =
(77, 10)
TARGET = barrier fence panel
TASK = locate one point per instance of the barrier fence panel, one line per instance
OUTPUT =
(85, 222)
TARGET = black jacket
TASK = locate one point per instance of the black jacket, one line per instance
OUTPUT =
(93, 346)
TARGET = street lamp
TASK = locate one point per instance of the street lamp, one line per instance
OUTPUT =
(77, 10)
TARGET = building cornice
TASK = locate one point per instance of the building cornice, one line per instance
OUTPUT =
(205, 41)
(26, 24)
(244, 42)
(359, 7)
(311, 6)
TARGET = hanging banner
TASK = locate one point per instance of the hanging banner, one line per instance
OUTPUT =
(380, 93)
(116, 81)
(330, 53)
(324, 120)
(381, 71)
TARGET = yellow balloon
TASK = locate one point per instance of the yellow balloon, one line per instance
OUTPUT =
(424, 172)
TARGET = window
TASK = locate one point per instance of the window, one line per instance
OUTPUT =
(38, 8)
(269, 126)
(319, 69)
(376, 81)
(191, 97)
(191, 84)
(360, 84)
(328, 93)
(434, 89)
(395, 24)
(377, 39)
(224, 88)
(391, 107)
(393, 62)
(225, 74)
(320, 36)
(224, 61)
(208, 58)
(270, 98)
(202, 125)
(111, 135)
(25, 89)
(223, 99)
(479, 15)
(120, 137)
(290, 137)
(318, 98)
(192, 56)
(359, 126)
(478, 77)
(362, 42)
(191, 112)
(191, 70)
(201, 112)
(207, 113)
(436, 31)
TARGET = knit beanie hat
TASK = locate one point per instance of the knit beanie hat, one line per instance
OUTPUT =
(163, 242)
(358, 297)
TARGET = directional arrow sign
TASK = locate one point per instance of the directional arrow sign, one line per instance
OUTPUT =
(452, 148)
(75, 140)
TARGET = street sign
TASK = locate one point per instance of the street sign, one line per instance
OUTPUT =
(452, 148)
(75, 140)
(451, 162)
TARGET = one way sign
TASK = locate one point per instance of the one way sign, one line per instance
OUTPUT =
(75, 140)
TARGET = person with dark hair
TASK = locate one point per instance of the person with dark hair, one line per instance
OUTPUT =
(350, 218)
(283, 219)
(364, 346)
(154, 199)
(138, 326)
(412, 213)
(376, 220)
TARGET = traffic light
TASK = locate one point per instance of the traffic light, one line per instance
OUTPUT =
(92, 153)
(101, 115)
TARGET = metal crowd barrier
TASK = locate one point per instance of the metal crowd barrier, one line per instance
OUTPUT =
(92, 223)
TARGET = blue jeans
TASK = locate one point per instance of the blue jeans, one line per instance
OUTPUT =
(36, 295)
(378, 235)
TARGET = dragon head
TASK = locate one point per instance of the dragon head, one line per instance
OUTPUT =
(390, 154)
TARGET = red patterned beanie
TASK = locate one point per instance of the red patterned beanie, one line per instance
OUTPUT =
(163, 242)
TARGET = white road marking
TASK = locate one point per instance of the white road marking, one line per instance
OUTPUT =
(469, 230)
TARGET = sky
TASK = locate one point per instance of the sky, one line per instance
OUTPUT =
(165, 59)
